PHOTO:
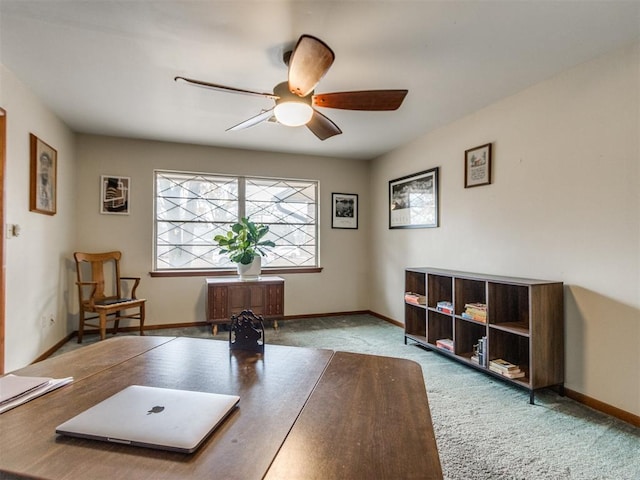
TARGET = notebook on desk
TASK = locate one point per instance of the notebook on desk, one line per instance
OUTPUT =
(162, 418)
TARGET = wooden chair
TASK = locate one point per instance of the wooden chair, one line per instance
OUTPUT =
(101, 291)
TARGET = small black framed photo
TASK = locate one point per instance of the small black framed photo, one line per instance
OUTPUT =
(413, 200)
(344, 210)
(477, 166)
(114, 195)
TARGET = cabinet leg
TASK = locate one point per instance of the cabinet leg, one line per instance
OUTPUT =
(532, 397)
(214, 329)
(275, 324)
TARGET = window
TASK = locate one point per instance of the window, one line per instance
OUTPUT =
(192, 208)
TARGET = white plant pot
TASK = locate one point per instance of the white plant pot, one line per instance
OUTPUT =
(251, 271)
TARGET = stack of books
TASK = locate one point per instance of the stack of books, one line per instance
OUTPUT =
(416, 298)
(475, 311)
(445, 307)
(445, 343)
(505, 368)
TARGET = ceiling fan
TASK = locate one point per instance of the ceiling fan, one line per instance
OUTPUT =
(295, 99)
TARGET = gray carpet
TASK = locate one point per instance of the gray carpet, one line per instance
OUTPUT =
(485, 429)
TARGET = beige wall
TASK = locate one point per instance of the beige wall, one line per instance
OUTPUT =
(342, 285)
(564, 205)
(36, 261)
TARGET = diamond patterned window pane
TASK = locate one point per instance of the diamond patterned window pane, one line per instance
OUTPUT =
(289, 207)
(191, 209)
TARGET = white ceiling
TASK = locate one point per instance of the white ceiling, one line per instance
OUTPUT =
(107, 66)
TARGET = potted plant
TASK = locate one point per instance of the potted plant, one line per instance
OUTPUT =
(245, 245)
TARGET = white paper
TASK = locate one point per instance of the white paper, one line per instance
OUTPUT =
(16, 390)
(12, 386)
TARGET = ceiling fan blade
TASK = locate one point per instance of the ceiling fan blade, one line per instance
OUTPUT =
(261, 117)
(223, 88)
(372, 100)
(322, 127)
(310, 60)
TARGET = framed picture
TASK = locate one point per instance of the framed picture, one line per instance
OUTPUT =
(477, 166)
(344, 210)
(114, 194)
(413, 200)
(43, 189)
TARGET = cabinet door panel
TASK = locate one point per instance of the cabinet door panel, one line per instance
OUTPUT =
(274, 304)
(217, 304)
(256, 304)
(238, 299)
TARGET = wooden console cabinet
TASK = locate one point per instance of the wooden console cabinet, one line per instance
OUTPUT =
(523, 324)
(230, 296)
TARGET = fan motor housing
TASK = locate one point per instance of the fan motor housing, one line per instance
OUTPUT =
(286, 95)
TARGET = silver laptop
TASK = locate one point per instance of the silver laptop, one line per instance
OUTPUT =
(162, 418)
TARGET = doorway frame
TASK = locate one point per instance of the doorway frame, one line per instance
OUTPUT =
(3, 150)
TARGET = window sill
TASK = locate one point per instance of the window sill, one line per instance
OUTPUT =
(223, 273)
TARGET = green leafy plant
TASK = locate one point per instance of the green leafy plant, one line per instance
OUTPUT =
(244, 241)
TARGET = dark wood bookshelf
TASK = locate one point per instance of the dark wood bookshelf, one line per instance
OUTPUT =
(524, 322)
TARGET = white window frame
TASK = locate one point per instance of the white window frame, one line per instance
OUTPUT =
(242, 204)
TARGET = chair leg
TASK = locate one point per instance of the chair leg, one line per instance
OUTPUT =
(116, 324)
(80, 324)
(141, 319)
(103, 325)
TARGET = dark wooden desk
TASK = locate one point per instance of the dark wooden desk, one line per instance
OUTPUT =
(304, 414)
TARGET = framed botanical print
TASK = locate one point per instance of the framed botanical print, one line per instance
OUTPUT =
(43, 187)
(477, 166)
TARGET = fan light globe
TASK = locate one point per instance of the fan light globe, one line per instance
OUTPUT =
(293, 114)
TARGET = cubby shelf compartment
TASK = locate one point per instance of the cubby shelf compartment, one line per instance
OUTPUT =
(440, 289)
(438, 327)
(415, 318)
(469, 291)
(467, 334)
(524, 324)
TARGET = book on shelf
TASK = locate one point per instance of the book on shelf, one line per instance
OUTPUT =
(503, 365)
(480, 351)
(444, 307)
(519, 374)
(505, 368)
(477, 318)
(415, 298)
(477, 306)
(499, 370)
(445, 343)
(475, 311)
(509, 374)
